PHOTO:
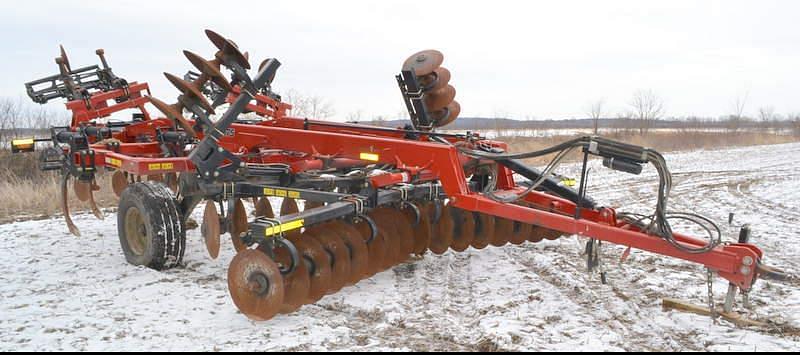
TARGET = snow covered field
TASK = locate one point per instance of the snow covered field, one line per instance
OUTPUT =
(58, 292)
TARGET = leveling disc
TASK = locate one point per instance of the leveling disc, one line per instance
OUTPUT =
(424, 62)
(209, 69)
(174, 114)
(228, 48)
(357, 248)
(239, 225)
(256, 285)
(191, 91)
(211, 229)
(119, 182)
(439, 99)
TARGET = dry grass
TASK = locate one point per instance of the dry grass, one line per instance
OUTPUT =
(661, 141)
(28, 193)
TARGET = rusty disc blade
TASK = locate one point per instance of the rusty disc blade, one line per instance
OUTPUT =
(239, 225)
(436, 80)
(264, 208)
(551, 234)
(310, 205)
(521, 233)
(423, 231)
(405, 234)
(174, 114)
(155, 178)
(228, 48)
(318, 263)
(447, 116)
(210, 229)
(261, 67)
(439, 99)
(191, 91)
(387, 224)
(256, 285)
(424, 62)
(288, 207)
(65, 59)
(504, 228)
(484, 230)
(209, 69)
(463, 230)
(119, 182)
(376, 247)
(340, 262)
(83, 190)
(537, 234)
(296, 284)
(357, 248)
(443, 232)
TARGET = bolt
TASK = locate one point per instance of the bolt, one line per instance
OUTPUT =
(745, 270)
(216, 174)
(748, 260)
(243, 164)
(220, 149)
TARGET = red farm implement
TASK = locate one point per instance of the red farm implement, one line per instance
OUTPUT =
(372, 196)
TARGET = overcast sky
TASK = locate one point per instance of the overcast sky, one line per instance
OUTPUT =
(535, 59)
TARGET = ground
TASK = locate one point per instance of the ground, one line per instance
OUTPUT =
(58, 292)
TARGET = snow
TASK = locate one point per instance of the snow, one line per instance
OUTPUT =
(58, 292)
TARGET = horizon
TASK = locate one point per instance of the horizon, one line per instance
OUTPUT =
(528, 60)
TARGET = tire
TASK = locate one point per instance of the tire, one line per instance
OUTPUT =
(151, 231)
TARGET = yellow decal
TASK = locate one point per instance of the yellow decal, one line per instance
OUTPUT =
(160, 166)
(23, 145)
(114, 162)
(286, 227)
(281, 193)
(370, 157)
(22, 142)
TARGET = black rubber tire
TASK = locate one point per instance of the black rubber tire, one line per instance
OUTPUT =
(164, 232)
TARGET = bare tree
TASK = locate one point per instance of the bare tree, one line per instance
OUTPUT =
(739, 104)
(766, 115)
(595, 111)
(315, 107)
(648, 108)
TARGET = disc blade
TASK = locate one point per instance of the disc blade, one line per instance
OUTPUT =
(446, 116)
(65, 59)
(424, 62)
(502, 233)
(463, 230)
(319, 265)
(376, 246)
(239, 225)
(191, 91)
(228, 48)
(443, 234)
(436, 80)
(256, 285)
(439, 99)
(172, 113)
(119, 182)
(296, 284)
(336, 248)
(484, 230)
(264, 208)
(209, 69)
(423, 231)
(359, 254)
(210, 229)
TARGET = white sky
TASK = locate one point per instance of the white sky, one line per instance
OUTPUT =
(542, 59)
